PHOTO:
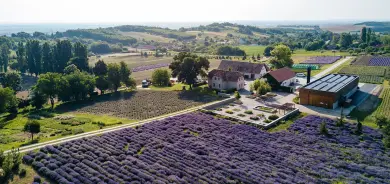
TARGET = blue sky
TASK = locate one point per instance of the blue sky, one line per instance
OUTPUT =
(122, 11)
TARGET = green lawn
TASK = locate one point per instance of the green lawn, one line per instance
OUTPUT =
(12, 134)
(203, 89)
(283, 126)
(253, 50)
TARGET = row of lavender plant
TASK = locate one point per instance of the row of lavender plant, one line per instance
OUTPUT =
(149, 67)
(198, 148)
(322, 60)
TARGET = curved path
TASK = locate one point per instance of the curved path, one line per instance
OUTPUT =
(106, 130)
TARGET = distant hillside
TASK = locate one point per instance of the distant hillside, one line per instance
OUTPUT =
(377, 26)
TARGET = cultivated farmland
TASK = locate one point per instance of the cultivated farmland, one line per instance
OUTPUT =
(322, 60)
(198, 148)
(383, 109)
(139, 105)
(367, 74)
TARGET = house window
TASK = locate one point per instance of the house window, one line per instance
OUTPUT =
(215, 78)
(213, 84)
(219, 85)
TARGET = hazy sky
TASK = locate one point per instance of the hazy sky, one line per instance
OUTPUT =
(122, 11)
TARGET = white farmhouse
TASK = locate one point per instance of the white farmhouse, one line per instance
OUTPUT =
(249, 70)
(224, 80)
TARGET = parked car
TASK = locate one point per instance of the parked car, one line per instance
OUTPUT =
(300, 75)
(146, 83)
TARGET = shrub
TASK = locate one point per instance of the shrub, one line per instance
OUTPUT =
(248, 112)
(229, 111)
(254, 118)
(323, 129)
(273, 117)
(237, 110)
(37, 179)
(22, 172)
(267, 121)
(261, 115)
(241, 115)
(78, 131)
(296, 100)
(237, 95)
(218, 109)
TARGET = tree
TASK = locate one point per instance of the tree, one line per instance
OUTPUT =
(264, 88)
(33, 127)
(124, 71)
(80, 58)
(47, 58)
(71, 69)
(49, 85)
(186, 67)
(369, 33)
(256, 84)
(258, 57)
(21, 57)
(345, 40)
(8, 101)
(100, 68)
(359, 128)
(282, 57)
(160, 77)
(381, 121)
(363, 34)
(62, 53)
(237, 95)
(78, 86)
(12, 80)
(267, 51)
(34, 56)
(102, 83)
(114, 76)
(4, 57)
(38, 99)
(323, 129)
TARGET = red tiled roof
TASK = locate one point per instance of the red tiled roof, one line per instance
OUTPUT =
(243, 67)
(225, 75)
(282, 74)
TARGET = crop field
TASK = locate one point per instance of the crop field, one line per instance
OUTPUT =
(367, 74)
(139, 105)
(383, 109)
(321, 60)
(208, 33)
(363, 60)
(302, 52)
(379, 61)
(147, 37)
(199, 148)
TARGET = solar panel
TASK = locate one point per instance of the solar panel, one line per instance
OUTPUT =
(327, 77)
(313, 84)
(328, 86)
(320, 86)
(349, 79)
(334, 78)
(334, 89)
(341, 79)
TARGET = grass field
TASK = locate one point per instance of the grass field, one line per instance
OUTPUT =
(253, 50)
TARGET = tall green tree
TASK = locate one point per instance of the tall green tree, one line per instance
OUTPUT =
(47, 58)
(4, 57)
(34, 57)
(63, 53)
(100, 68)
(363, 34)
(80, 58)
(345, 40)
(369, 33)
(79, 86)
(21, 57)
(11, 80)
(281, 56)
(267, 51)
(49, 85)
(8, 100)
(102, 83)
(186, 67)
(124, 71)
(114, 76)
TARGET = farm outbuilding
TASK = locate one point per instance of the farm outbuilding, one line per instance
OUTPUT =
(329, 91)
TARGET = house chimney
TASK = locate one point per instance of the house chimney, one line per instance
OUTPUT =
(308, 74)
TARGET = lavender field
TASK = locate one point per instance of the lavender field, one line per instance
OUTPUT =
(150, 67)
(322, 60)
(379, 61)
(197, 148)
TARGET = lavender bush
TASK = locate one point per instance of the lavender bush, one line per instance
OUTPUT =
(197, 148)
